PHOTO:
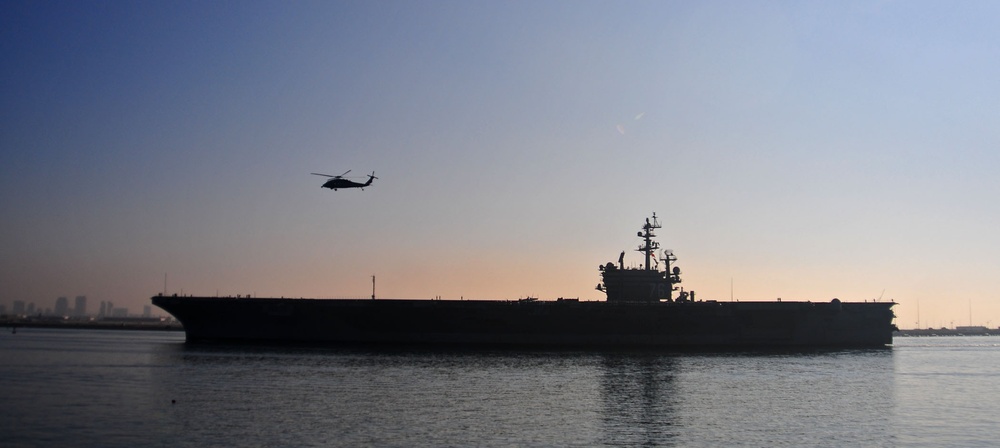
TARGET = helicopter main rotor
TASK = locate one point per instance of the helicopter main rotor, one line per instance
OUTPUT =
(328, 175)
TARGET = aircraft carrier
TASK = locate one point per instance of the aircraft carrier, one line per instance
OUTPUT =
(645, 308)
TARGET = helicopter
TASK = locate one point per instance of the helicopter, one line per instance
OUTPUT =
(336, 182)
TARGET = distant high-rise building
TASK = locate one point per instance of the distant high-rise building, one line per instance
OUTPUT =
(81, 306)
(103, 310)
(18, 308)
(30, 309)
(147, 311)
(62, 307)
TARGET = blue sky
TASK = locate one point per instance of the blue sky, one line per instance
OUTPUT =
(802, 150)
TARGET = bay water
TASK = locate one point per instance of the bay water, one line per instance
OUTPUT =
(106, 388)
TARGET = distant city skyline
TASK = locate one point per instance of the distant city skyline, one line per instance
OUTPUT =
(61, 308)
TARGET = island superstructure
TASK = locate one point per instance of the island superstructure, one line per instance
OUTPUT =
(640, 311)
(647, 283)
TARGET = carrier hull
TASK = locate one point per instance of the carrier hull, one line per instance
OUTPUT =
(534, 323)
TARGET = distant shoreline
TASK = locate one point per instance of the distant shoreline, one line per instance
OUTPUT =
(946, 332)
(100, 325)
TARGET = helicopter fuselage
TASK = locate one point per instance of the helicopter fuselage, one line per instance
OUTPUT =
(337, 183)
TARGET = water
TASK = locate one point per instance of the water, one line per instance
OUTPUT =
(115, 389)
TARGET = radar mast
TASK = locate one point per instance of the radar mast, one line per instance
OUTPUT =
(649, 246)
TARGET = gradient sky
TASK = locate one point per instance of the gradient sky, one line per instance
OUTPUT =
(802, 150)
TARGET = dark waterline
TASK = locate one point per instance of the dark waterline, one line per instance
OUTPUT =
(110, 388)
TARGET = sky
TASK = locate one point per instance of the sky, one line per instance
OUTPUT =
(801, 150)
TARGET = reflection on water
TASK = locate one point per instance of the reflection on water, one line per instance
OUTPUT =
(87, 388)
(638, 399)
